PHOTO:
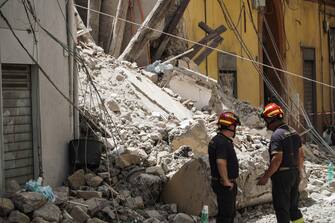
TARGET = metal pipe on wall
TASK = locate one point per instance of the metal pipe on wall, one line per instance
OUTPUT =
(73, 71)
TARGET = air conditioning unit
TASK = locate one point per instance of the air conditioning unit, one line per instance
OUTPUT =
(258, 3)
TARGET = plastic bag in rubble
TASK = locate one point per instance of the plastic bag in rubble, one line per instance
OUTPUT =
(158, 67)
(36, 186)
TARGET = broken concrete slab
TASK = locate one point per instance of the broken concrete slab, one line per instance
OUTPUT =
(157, 96)
(29, 201)
(190, 189)
(48, 212)
(152, 76)
(6, 206)
(194, 136)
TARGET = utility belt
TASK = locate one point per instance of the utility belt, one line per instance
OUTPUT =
(287, 168)
(218, 179)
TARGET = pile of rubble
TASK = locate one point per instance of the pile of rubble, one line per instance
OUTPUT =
(155, 168)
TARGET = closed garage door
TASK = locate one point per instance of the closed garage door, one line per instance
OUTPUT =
(17, 123)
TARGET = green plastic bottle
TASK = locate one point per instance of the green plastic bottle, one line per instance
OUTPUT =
(204, 214)
(330, 172)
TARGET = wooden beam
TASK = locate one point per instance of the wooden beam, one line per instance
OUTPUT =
(116, 37)
(106, 23)
(86, 37)
(205, 40)
(207, 51)
(94, 19)
(205, 27)
(164, 39)
(143, 34)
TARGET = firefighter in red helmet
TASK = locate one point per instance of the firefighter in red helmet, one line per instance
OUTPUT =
(286, 165)
(224, 166)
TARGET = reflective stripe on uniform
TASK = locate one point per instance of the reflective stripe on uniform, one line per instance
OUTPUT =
(300, 220)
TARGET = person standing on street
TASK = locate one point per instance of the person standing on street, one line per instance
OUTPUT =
(286, 165)
(224, 166)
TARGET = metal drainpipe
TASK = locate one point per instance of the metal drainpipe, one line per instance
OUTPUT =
(2, 165)
(71, 30)
(205, 8)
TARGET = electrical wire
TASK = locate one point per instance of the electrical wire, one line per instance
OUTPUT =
(3, 3)
(213, 48)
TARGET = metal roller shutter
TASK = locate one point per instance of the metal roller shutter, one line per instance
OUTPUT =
(17, 123)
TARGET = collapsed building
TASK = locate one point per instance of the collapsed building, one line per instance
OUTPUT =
(153, 168)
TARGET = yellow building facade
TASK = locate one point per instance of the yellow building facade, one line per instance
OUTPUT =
(292, 35)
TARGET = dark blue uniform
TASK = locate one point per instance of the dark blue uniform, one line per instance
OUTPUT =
(285, 182)
(222, 147)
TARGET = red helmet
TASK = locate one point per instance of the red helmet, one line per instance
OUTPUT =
(272, 110)
(228, 119)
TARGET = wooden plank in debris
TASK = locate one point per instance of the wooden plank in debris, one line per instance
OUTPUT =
(164, 39)
(207, 51)
(205, 40)
(143, 34)
(116, 37)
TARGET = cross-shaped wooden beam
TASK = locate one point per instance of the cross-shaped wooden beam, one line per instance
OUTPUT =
(213, 36)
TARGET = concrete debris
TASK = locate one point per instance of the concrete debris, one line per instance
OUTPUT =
(77, 179)
(113, 106)
(193, 135)
(177, 190)
(92, 180)
(61, 195)
(88, 194)
(48, 212)
(130, 156)
(79, 215)
(95, 220)
(6, 206)
(39, 220)
(182, 218)
(29, 201)
(158, 148)
(18, 217)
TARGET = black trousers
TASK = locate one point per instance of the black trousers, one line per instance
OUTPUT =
(226, 199)
(285, 195)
